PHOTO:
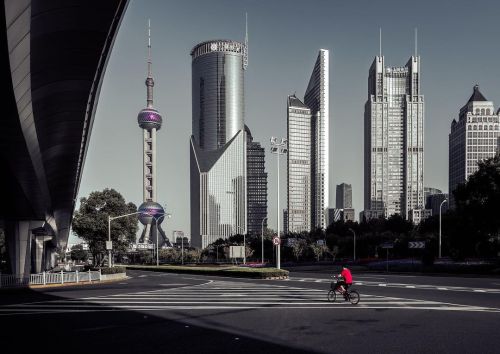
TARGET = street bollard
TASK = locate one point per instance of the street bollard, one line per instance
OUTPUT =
(62, 277)
(76, 272)
(44, 278)
(90, 277)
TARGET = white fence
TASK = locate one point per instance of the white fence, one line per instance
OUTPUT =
(50, 278)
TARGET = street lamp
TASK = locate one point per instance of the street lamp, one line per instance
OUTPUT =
(111, 218)
(354, 243)
(440, 205)
(238, 227)
(279, 148)
(263, 239)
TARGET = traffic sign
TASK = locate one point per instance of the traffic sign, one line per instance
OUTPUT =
(109, 245)
(416, 244)
(276, 240)
(387, 245)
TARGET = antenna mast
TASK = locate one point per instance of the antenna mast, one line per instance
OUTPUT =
(380, 41)
(149, 80)
(416, 41)
(245, 54)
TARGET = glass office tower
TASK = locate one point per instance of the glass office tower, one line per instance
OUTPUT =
(394, 141)
(298, 165)
(218, 142)
(317, 99)
(256, 186)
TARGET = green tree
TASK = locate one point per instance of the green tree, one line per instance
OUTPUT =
(318, 250)
(298, 247)
(78, 253)
(477, 205)
(90, 222)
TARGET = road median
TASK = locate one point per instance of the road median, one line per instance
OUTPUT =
(229, 271)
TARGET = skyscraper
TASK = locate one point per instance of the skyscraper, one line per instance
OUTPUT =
(150, 121)
(218, 142)
(298, 165)
(344, 196)
(308, 146)
(394, 141)
(474, 137)
(256, 186)
(317, 99)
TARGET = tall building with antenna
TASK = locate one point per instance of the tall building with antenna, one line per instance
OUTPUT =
(150, 121)
(218, 142)
(394, 141)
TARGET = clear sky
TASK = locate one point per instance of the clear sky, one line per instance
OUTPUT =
(458, 42)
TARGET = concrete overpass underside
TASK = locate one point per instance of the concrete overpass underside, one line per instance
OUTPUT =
(54, 54)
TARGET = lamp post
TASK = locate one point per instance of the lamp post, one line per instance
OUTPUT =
(111, 218)
(278, 148)
(238, 227)
(440, 205)
(354, 233)
(182, 249)
(262, 234)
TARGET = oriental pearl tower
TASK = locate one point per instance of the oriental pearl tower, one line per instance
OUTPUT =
(150, 121)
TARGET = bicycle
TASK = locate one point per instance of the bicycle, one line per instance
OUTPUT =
(350, 295)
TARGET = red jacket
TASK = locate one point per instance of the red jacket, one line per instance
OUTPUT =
(346, 273)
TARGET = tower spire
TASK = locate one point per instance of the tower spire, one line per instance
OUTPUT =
(245, 56)
(416, 41)
(149, 80)
(380, 42)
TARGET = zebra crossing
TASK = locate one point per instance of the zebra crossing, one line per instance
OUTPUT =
(217, 295)
(403, 285)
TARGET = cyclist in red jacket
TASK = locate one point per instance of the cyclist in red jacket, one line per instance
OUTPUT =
(346, 281)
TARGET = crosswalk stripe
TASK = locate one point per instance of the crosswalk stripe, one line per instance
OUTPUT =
(226, 295)
(402, 285)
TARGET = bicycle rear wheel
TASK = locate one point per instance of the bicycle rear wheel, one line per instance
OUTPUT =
(354, 297)
(332, 296)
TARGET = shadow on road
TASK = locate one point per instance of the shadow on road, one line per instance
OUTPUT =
(109, 330)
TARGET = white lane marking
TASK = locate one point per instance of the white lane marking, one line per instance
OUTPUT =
(382, 285)
(207, 297)
(164, 308)
(411, 286)
(170, 284)
(479, 291)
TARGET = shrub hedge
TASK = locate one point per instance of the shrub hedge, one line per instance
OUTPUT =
(240, 272)
(113, 270)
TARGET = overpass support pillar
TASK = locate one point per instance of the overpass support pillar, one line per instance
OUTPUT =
(41, 252)
(19, 238)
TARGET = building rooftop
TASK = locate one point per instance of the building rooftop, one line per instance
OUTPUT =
(476, 95)
(293, 101)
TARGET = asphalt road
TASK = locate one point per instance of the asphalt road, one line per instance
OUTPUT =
(174, 313)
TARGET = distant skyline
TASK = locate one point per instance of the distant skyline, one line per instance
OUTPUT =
(458, 44)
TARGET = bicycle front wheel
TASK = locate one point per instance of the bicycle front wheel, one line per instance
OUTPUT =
(354, 297)
(332, 296)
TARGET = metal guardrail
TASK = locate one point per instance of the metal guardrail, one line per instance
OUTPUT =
(8, 280)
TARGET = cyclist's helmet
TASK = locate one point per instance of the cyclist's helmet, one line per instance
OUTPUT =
(344, 266)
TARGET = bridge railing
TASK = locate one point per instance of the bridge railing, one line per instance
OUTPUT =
(8, 280)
